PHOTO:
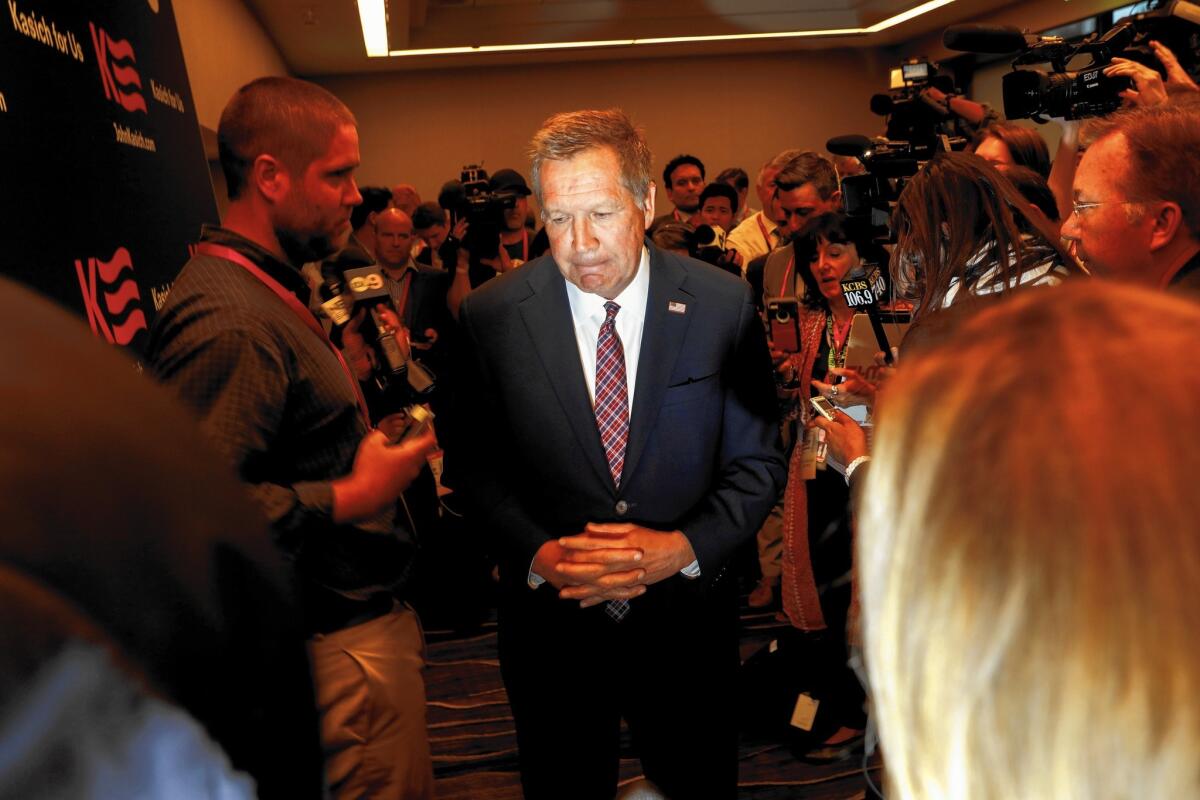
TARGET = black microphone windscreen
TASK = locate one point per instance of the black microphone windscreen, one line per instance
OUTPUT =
(854, 144)
(984, 38)
(882, 104)
(704, 234)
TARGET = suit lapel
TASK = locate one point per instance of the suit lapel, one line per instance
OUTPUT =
(547, 316)
(662, 339)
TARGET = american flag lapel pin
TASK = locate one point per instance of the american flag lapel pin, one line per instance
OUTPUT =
(676, 307)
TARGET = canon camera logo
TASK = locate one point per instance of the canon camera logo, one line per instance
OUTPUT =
(122, 84)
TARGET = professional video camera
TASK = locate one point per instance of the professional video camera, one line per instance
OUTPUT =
(889, 165)
(916, 130)
(1084, 91)
(912, 114)
(472, 199)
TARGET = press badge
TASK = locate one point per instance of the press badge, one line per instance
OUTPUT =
(805, 712)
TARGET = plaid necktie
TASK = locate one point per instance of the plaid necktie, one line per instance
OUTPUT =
(612, 412)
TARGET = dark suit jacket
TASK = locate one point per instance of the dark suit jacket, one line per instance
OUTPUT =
(703, 454)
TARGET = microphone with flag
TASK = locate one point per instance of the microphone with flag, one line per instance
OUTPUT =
(862, 289)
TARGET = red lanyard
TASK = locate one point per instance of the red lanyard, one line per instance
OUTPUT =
(766, 235)
(787, 273)
(229, 254)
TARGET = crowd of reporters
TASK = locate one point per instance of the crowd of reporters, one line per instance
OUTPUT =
(994, 511)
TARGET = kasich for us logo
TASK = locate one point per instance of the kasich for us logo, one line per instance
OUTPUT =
(111, 297)
(118, 73)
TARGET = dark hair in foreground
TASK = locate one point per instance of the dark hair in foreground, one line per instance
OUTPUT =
(957, 206)
(290, 119)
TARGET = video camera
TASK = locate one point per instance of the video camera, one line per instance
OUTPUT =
(471, 198)
(912, 115)
(889, 164)
(915, 132)
(1084, 91)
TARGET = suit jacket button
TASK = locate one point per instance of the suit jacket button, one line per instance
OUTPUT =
(621, 507)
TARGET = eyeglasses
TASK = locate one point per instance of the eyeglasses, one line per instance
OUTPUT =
(1078, 208)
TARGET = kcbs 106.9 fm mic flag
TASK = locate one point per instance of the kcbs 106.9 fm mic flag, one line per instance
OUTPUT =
(862, 289)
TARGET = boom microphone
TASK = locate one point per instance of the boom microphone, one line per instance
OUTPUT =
(854, 144)
(985, 38)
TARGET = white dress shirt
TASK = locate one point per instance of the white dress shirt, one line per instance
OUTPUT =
(747, 238)
(588, 315)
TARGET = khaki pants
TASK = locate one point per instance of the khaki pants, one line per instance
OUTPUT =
(371, 698)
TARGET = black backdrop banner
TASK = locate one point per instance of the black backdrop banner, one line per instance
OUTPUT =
(105, 184)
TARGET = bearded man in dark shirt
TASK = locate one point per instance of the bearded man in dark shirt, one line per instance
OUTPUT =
(237, 342)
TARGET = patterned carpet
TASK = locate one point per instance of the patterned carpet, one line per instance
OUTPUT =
(474, 746)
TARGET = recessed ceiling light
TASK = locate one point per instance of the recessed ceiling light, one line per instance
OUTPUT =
(374, 23)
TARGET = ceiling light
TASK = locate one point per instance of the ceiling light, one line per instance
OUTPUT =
(373, 16)
(374, 22)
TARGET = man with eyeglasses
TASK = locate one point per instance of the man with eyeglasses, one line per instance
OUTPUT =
(1136, 199)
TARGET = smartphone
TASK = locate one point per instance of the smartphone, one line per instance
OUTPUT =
(783, 318)
(823, 407)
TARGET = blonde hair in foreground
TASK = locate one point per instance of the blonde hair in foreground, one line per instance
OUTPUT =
(1029, 554)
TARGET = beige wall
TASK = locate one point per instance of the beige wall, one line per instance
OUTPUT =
(224, 47)
(731, 110)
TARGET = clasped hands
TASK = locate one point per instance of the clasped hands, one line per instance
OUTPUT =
(611, 561)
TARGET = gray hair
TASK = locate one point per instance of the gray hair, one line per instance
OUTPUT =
(566, 135)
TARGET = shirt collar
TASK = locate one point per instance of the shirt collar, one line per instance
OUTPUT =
(632, 298)
(264, 259)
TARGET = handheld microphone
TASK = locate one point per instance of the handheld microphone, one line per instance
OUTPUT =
(862, 288)
(985, 38)
(336, 304)
(368, 288)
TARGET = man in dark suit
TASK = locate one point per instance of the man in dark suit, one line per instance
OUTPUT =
(622, 443)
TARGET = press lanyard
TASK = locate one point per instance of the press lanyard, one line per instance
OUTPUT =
(787, 273)
(229, 254)
(766, 235)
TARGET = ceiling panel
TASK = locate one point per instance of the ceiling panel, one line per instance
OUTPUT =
(323, 37)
